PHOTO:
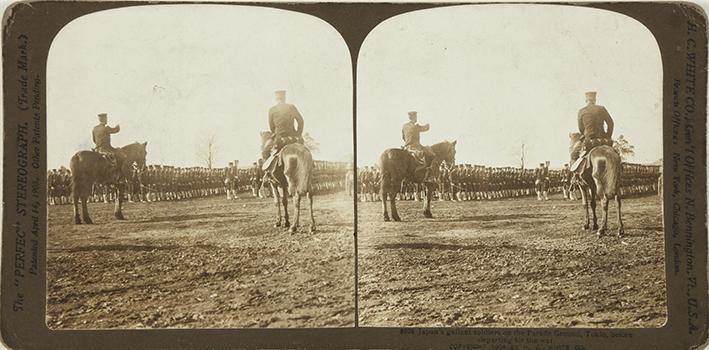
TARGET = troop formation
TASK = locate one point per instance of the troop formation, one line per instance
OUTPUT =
(157, 183)
(467, 182)
(461, 182)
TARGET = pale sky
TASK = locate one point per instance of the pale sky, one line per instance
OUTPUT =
(495, 77)
(172, 75)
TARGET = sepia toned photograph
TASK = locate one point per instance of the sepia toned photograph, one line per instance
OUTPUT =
(196, 170)
(509, 162)
(389, 175)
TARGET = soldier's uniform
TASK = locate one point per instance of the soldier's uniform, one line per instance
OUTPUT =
(411, 134)
(541, 174)
(591, 120)
(281, 120)
(101, 135)
(566, 176)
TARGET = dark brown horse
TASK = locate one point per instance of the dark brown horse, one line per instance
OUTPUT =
(398, 164)
(89, 167)
(599, 179)
(293, 175)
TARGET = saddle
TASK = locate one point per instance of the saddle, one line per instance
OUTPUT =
(423, 162)
(581, 164)
(277, 143)
(419, 155)
(113, 166)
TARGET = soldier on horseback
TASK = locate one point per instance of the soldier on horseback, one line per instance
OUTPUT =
(101, 135)
(411, 134)
(281, 120)
(596, 127)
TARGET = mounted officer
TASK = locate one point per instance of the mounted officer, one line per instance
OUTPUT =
(411, 134)
(281, 121)
(101, 135)
(595, 125)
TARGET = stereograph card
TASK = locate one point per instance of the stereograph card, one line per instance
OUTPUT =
(200, 175)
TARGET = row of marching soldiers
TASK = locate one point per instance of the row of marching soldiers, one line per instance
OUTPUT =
(157, 183)
(467, 182)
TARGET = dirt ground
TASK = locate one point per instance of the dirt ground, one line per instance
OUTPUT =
(510, 263)
(201, 263)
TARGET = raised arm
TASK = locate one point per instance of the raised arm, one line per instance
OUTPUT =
(113, 130)
(423, 127)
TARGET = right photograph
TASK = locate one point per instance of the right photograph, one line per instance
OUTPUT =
(509, 170)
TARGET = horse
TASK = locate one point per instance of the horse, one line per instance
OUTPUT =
(599, 179)
(89, 167)
(292, 174)
(398, 164)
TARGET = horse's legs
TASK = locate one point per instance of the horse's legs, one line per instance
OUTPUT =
(427, 202)
(593, 208)
(312, 215)
(77, 217)
(604, 221)
(284, 201)
(277, 202)
(118, 212)
(584, 200)
(384, 204)
(296, 222)
(85, 209)
(394, 212)
(621, 230)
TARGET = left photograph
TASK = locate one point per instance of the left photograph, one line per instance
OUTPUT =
(199, 171)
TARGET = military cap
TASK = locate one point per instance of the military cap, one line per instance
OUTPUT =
(103, 115)
(590, 94)
(412, 114)
(280, 92)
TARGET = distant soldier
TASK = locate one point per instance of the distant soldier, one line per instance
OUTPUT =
(443, 174)
(349, 179)
(566, 176)
(255, 176)
(134, 185)
(364, 183)
(541, 174)
(230, 182)
(374, 183)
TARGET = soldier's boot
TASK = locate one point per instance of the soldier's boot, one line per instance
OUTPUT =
(546, 197)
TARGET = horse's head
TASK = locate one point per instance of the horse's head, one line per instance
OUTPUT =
(135, 153)
(445, 151)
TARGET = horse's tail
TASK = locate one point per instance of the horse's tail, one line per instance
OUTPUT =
(606, 172)
(298, 169)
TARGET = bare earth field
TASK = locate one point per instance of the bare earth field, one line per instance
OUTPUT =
(510, 263)
(201, 263)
